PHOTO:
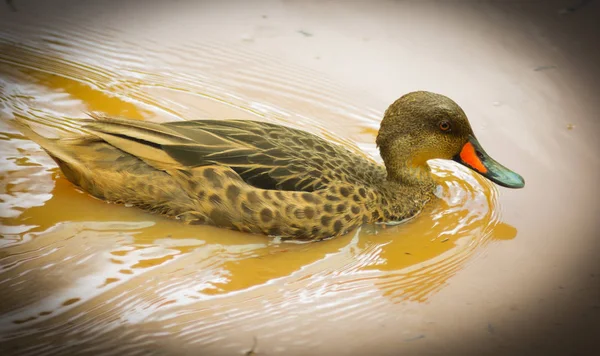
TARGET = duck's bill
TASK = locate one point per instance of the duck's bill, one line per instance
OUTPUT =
(473, 156)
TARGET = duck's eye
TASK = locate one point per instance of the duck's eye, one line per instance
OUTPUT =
(444, 125)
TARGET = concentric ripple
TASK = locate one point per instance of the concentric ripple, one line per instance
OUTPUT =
(78, 273)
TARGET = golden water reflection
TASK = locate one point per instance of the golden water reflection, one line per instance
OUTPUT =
(103, 246)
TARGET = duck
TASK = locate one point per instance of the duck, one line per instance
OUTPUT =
(263, 178)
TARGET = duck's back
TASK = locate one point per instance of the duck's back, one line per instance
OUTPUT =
(270, 156)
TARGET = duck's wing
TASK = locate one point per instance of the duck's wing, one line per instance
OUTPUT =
(264, 155)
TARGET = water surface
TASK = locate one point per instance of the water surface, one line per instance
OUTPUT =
(81, 275)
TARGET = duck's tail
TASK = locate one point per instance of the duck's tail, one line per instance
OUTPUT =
(59, 138)
(50, 133)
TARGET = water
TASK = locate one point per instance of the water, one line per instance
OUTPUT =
(81, 275)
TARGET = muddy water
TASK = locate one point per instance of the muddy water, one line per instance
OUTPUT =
(476, 268)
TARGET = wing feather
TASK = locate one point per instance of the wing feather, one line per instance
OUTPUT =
(265, 155)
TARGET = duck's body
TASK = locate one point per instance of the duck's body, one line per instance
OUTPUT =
(246, 175)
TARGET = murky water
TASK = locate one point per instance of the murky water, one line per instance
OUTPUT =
(80, 275)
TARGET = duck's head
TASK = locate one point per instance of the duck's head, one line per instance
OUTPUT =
(421, 126)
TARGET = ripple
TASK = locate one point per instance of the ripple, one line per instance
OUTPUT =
(98, 278)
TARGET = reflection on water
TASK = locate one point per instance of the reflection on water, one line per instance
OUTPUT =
(78, 269)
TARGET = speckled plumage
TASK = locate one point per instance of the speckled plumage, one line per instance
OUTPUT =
(260, 177)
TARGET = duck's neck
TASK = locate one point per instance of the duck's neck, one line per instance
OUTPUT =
(406, 167)
(408, 174)
(408, 187)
